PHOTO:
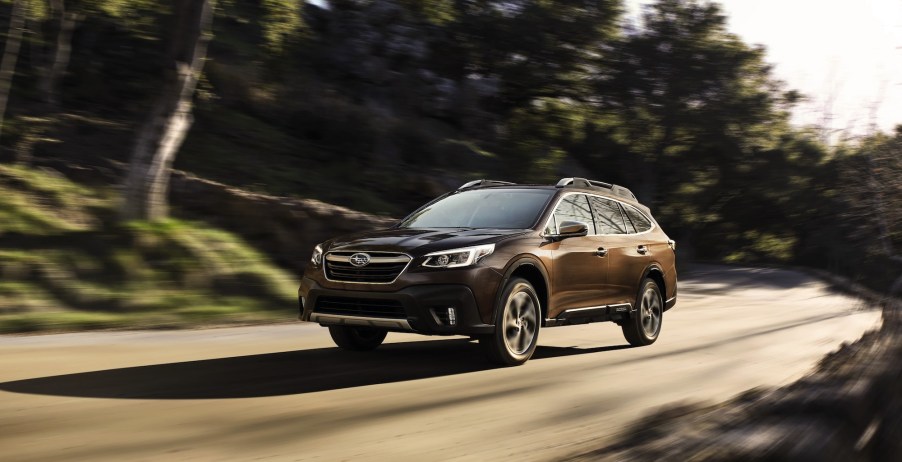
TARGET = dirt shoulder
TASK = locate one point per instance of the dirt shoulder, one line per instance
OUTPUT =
(848, 409)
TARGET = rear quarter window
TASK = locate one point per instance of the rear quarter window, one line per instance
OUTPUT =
(640, 222)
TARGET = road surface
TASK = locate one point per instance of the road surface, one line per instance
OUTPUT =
(284, 392)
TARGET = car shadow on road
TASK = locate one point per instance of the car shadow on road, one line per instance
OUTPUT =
(282, 373)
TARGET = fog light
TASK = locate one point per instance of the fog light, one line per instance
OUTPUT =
(452, 316)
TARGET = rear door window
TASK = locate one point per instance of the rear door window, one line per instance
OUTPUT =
(608, 219)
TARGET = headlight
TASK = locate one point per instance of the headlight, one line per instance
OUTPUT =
(457, 258)
(317, 257)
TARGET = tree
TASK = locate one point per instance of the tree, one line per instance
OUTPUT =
(690, 117)
(161, 136)
(170, 117)
(683, 85)
(65, 21)
(543, 54)
(537, 48)
(873, 192)
(11, 54)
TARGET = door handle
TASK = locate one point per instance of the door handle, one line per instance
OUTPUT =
(642, 249)
(601, 251)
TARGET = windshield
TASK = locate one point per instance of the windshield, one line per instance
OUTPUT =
(482, 208)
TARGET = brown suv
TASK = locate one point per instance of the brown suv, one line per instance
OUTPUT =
(497, 261)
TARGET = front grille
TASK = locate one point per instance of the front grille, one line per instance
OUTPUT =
(383, 267)
(365, 307)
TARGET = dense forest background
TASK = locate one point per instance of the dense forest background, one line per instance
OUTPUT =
(380, 105)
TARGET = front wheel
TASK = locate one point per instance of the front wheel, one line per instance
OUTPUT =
(644, 325)
(357, 338)
(516, 325)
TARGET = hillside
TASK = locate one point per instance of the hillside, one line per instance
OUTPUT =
(65, 264)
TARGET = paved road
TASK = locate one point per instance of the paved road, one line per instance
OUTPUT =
(285, 393)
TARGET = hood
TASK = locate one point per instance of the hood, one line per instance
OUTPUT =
(419, 241)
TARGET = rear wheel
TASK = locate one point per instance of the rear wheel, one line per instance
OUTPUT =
(357, 338)
(644, 325)
(516, 325)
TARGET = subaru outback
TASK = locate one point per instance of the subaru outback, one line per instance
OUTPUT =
(498, 261)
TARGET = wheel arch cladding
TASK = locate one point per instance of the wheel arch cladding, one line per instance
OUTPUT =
(655, 274)
(528, 270)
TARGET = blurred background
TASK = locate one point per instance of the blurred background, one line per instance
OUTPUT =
(173, 163)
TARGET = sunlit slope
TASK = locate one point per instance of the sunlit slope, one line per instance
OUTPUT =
(67, 264)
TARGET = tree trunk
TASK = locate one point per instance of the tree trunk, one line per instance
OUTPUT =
(59, 60)
(11, 54)
(159, 139)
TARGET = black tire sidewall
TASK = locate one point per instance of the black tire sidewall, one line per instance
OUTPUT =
(501, 353)
(637, 321)
(632, 329)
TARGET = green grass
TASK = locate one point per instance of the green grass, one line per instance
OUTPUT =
(67, 264)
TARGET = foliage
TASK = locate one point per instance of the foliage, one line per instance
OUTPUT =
(873, 192)
(398, 101)
(64, 265)
(281, 22)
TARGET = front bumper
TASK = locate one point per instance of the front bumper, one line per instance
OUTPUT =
(424, 309)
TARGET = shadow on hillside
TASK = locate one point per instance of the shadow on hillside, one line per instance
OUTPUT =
(275, 374)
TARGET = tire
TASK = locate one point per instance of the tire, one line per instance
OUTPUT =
(644, 325)
(517, 321)
(357, 338)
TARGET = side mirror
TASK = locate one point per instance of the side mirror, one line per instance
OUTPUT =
(570, 229)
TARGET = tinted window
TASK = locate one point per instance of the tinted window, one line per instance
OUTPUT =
(639, 220)
(608, 219)
(574, 207)
(629, 224)
(482, 208)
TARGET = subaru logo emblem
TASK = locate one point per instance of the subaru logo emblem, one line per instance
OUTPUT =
(359, 259)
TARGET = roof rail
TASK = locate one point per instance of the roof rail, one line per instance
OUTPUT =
(477, 183)
(592, 184)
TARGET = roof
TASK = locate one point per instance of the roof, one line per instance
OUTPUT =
(583, 184)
